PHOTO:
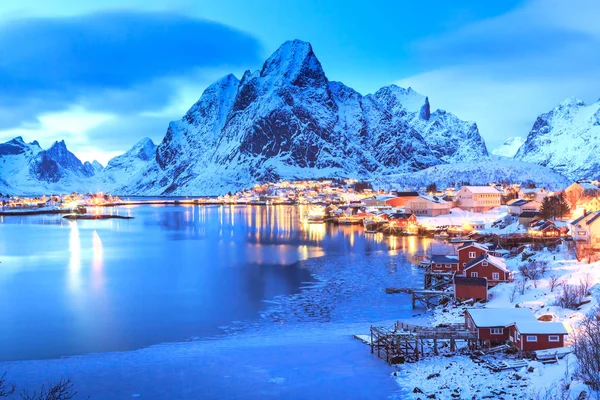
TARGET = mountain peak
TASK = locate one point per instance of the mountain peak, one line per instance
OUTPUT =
(295, 62)
(571, 101)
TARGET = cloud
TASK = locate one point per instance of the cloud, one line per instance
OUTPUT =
(114, 61)
(503, 72)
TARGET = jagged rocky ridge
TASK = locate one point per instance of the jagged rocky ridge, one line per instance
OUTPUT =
(289, 121)
(566, 139)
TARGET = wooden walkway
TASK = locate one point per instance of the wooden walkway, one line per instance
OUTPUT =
(405, 343)
(429, 298)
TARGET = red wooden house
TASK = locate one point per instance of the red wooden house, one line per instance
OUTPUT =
(532, 336)
(444, 263)
(518, 325)
(470, 288)
(492, 324)
(468, 252)
(489, 267)
(404, 221)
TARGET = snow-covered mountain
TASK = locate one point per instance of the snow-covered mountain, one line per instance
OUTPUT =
(128, 166)
(566, 139)
(27, 168)
(289, 121)
(509, 148)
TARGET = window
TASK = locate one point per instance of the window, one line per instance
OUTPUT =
(497, 331)
(464, 265)
(518, 337)
(473, 274)
(496, 276)
(553, 338)
(532, 338)
(471, 254)
(581, 233)
(446, 265)
(485, 264)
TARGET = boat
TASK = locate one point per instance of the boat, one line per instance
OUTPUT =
(460, 239)
(441, 236)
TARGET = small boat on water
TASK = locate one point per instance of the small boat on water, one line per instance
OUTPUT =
(460, 239)
(95, 216)
(441, 236)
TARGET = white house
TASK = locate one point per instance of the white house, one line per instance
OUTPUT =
(586, 229)
(478, 198)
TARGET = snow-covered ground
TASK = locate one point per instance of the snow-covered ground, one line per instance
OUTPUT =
(459, 217)
(461, 377)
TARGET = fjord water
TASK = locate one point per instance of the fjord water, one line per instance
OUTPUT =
(240, 282)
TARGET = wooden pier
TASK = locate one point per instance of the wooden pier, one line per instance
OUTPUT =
(406, 343)
(429, 298)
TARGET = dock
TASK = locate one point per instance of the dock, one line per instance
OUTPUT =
(429, 298)
(406, 343)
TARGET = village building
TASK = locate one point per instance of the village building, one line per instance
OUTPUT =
(430, 206)
(404, 221)
(466, 288)
(547, 228)
(519, 206)
(528, 217)
(441, 263)
(478, 198)
(489, 267)
(535, 194)
(492, 324)
(586, 229)
(469, 252)
(396, 200)
(532, 336)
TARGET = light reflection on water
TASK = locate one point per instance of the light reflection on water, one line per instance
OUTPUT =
(172, 273)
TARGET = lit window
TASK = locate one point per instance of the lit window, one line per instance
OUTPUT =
(554, 338)
(497, 331)
(532, 338)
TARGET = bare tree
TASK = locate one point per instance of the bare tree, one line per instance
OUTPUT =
(554, 282)
(6, 388)
(586, 346)
(531, 271)
(521, 285)
(61, 390)
(571, 296)
(512, 295)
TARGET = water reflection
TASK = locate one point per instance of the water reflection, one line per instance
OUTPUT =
(97, 261)
(74, 257)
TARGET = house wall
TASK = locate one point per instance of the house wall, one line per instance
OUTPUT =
(485, 333)
(543, 342)
(463, 255)
(486, 272)
(477, 202)
(441, 267)
(465, 292)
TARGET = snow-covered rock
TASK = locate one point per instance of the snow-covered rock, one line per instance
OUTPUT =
(566, 139)
(477, 173)
(509, 148)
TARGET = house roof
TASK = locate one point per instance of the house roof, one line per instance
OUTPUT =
(529, 214)
(578, 220)
(473, 244)
(400, 215)
(444, 259)
(495, 261)
(594, 218)
(491, 317)
(469, 281)
(407, 194)
(527, 328)
(481, 189)
(519, 203)
(433, 199)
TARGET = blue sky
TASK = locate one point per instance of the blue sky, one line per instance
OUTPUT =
(103, 74)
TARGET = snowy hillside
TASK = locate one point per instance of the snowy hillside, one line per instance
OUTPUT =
(25, 168)
(478, 173)
(289, 121)
(566, 139)
(509, 148)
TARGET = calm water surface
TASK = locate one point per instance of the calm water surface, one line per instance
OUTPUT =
(175, 273)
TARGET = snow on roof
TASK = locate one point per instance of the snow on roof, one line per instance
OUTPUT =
(489, 317)
(550, 328)
(444, 259)
(434, 199)
(481, 189)
(473, 244)
(495, 261)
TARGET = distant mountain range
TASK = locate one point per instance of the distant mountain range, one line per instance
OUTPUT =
(289, 121)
